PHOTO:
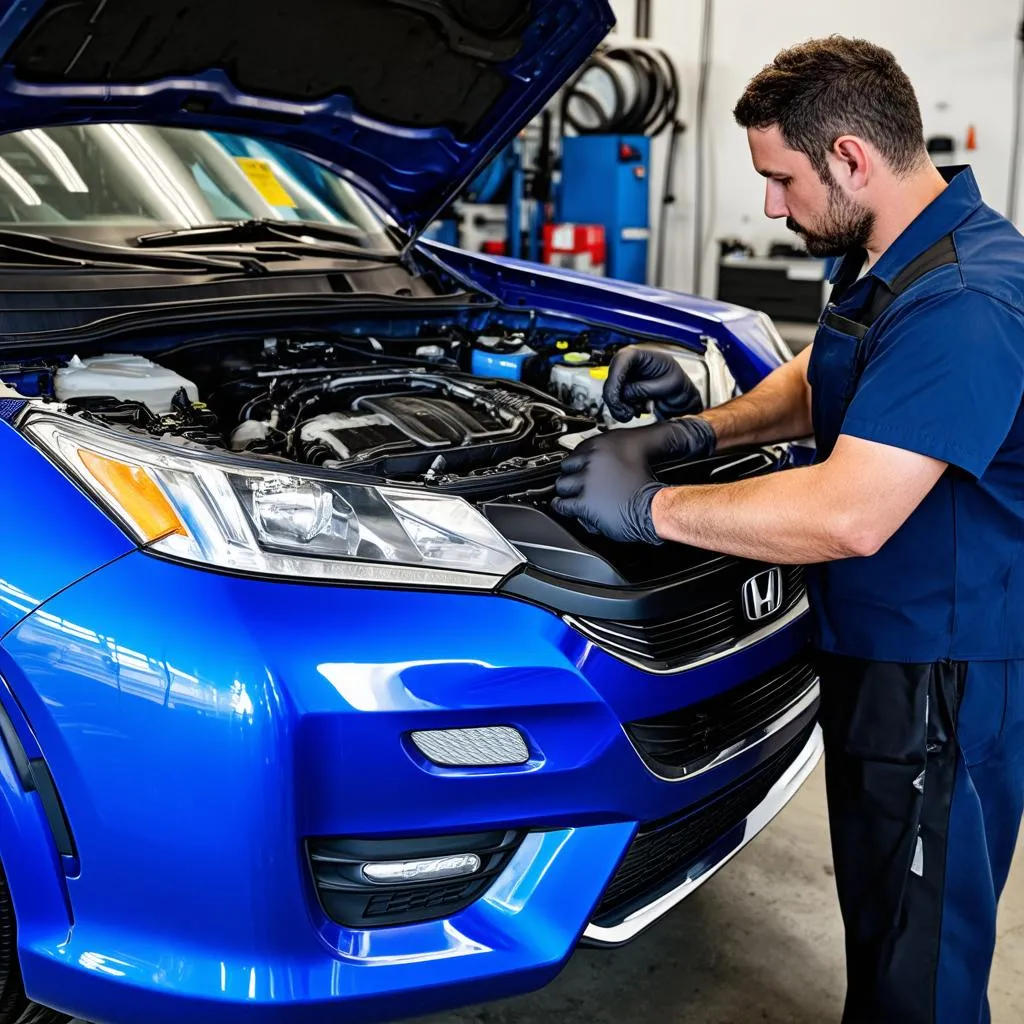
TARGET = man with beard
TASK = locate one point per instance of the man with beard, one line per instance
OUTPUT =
(910, 519)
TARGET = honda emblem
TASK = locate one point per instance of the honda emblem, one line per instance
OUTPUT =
(762, 594)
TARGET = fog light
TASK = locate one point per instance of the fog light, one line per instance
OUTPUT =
(473, 748)
(423, 870)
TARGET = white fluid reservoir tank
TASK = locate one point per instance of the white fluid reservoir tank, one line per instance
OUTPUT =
(127, 377)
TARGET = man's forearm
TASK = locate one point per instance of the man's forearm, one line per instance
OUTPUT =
(847, 506)
(778, 409)
(788, 517)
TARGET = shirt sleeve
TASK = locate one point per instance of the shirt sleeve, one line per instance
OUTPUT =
(945, 379)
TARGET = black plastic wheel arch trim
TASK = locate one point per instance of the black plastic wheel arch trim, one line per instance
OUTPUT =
(35, 777)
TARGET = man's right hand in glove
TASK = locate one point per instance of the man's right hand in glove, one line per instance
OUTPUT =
(638, 375)
(674, 440)
(607, 482)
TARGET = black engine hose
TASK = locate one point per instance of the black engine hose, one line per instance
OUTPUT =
(653, 110)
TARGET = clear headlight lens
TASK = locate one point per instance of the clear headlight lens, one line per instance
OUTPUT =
(277, 522)
(770, 334)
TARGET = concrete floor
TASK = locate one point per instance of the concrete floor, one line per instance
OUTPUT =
(761, 943)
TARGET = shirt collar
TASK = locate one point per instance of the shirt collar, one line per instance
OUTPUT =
(940, 217)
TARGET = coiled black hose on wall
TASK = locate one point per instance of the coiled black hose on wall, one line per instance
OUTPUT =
(629, 90)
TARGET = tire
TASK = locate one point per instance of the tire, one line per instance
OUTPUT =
(15, 1006)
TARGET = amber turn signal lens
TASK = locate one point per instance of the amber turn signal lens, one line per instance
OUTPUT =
(136, 493)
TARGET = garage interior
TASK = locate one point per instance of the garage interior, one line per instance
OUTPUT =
(762, 941)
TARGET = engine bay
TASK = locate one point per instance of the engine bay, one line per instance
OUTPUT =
(487, 416)
(474, 413)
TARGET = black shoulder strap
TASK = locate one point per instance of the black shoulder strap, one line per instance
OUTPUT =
(941, 254)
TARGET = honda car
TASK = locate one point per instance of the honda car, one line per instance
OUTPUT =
(311, 708)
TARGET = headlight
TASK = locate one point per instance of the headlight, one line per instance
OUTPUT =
(775, 340)
(276, 522)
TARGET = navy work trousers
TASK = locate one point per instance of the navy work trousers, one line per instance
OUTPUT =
(925, 777)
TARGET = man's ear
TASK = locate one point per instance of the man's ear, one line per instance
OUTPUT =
(851, 162)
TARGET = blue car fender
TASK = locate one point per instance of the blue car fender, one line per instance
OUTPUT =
(40, 503)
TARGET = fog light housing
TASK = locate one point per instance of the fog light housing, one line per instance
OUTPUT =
(432, 869)
(486, 747)
(374, 883)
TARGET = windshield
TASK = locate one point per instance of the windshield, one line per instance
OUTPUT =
(113, 182)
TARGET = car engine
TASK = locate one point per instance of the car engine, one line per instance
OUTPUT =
(426, 411)
(483, 417)
(400, 424)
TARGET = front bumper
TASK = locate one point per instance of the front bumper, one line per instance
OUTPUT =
(718, 854)
(201, 732)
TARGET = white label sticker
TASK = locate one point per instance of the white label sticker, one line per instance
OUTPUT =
(564, 236)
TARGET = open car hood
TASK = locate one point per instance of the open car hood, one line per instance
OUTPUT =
(405, 98)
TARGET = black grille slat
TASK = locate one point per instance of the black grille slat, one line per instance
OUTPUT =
(690, 635)
(672, 643)
(693, 642)
(668, 630)
(674, 742)
(621, 632)
(663, 852)
(705, 640)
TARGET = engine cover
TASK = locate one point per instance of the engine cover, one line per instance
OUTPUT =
(405, 425)
(398, 419)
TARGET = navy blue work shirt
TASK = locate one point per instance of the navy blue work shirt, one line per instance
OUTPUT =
(944, 377)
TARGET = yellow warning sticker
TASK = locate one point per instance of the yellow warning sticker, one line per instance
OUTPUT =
(266, 182)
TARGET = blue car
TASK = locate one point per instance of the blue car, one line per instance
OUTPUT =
(311, 709)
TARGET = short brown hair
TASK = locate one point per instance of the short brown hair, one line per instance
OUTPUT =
(825, 88)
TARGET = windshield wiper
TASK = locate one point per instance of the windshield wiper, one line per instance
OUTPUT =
(304, 233)
(24, 249)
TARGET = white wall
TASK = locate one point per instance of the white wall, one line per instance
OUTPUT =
(958, 53)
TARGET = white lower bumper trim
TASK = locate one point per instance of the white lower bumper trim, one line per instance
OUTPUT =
(778, 796)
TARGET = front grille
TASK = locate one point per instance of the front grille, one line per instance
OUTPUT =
(663, 853)
(668, 644)
(681, 742)
(351, 899)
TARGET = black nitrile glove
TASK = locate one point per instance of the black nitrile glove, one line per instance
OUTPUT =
(638, 375)
(607, 482)
(680, 440)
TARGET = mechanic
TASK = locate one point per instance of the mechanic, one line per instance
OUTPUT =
(910, 519)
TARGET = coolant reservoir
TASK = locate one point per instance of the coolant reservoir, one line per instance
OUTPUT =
(127, 377)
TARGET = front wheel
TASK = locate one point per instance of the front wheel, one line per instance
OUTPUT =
(15, 1006)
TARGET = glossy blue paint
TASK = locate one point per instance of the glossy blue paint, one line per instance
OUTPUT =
(201, 726)
(411, 172)
(50, 533)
